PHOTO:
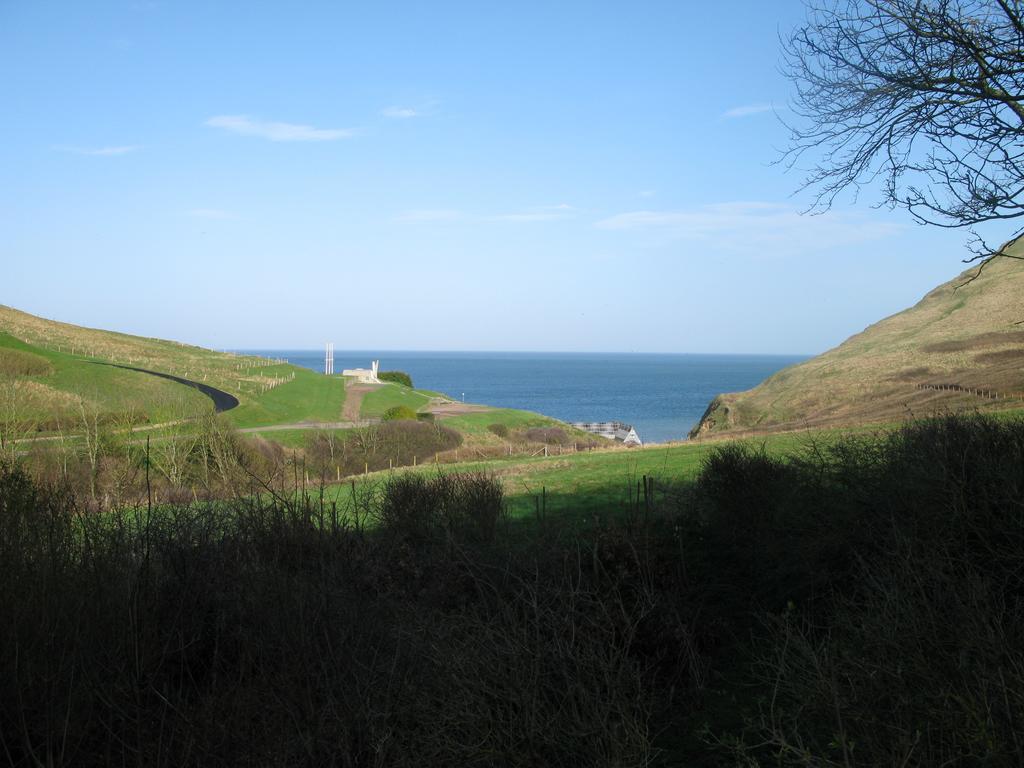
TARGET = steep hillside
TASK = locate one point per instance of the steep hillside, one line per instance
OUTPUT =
(221, 369)
(51, 372)
(960, 347)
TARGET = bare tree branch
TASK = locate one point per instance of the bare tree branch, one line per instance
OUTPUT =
(923, 97)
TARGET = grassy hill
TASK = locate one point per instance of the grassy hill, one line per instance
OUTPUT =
(52, 374)
(55, 369)
(46, 389)
(960, 348)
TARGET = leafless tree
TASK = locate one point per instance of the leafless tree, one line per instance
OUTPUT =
(219, 452)
(920, 97)
(173, 452)
(17, 415)
(93, 436)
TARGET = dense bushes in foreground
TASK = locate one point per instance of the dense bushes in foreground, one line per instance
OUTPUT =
(889, 574)
(286, 633)
(859, 604)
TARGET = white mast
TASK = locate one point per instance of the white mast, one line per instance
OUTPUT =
(329, 359)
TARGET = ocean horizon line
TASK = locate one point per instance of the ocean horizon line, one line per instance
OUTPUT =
(376, 350)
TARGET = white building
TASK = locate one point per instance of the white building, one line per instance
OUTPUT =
(363, 375)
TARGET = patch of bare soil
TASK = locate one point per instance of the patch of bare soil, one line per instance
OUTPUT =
(1004, 356)
(990, 339)
(911, 374)
(443, 409)
(354, 394)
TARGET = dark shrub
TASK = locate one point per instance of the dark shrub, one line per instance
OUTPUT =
(388, 444)
(904, 643)
(264, 631)
(396, 377)
(411, 506)
(463, 504)
(398, 413)
(425, 416)
(498, 429)
(476, 502)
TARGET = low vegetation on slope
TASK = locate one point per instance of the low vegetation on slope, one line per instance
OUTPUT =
(46, 390)
(959, 348)
(237, 374)
(857, 604)
(85, 368)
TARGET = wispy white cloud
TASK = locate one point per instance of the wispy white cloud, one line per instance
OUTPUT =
(210, 213)
(753, 225)
(647, 192)
(274, 131)
(99, 151)
(400, 113)
(430, 214)
(746, 110)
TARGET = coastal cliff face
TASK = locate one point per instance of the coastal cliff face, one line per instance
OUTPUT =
(715, 418)
(960, 348)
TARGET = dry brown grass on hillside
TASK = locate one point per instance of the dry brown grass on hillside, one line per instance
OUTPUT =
(963, 333)
(187, 361)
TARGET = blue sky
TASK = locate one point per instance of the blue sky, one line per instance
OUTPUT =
(578, 176)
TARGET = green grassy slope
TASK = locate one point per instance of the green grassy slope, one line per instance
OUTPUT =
(69, 384)
(269, 392)
(309, 396)
(476, 424)
(218, 369)
(375, 403)
(962, 333)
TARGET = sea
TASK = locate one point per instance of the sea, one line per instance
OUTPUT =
(662, 395)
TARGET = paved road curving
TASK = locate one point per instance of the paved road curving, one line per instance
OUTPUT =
(222, 401)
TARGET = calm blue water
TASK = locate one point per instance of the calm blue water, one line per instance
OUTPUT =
(663, 396)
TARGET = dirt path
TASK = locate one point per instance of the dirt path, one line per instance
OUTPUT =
(444, 408)
(354, 400)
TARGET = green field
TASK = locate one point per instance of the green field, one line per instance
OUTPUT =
(389, 395)
(598, 482)
(73, 382)
(309, 396)
(477, 423)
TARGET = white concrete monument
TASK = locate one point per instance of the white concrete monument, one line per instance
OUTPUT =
(364, 375)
